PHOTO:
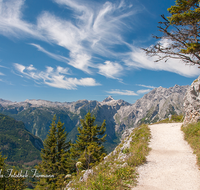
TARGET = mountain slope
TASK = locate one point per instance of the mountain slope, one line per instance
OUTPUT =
(154, 106)
(119, 115)
(16, 143)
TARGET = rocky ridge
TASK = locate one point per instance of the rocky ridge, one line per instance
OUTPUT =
(152, 107)
(120, 115)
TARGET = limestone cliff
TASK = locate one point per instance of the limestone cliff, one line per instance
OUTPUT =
(192, 102)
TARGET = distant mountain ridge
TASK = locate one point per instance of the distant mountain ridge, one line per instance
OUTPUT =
(119, 114)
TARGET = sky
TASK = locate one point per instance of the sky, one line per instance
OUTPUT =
(68, 50)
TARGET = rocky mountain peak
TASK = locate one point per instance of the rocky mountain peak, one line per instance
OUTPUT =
(108, 99)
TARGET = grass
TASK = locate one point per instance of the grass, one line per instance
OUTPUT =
(192, 136)
(174, 119)
(115, 173)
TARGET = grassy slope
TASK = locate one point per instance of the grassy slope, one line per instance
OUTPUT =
(174, 119)
(192, 136)
(114, 173)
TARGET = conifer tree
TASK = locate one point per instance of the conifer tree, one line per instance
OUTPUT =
(181, 31)
(88, 147)
(55, 157)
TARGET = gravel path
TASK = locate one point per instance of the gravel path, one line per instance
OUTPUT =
(171, 165)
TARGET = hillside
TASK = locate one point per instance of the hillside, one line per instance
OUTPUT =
(18, 144)
(119, 115)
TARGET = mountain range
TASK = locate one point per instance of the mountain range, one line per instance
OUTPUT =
(119, 114)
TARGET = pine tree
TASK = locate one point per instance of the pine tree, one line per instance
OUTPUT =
(88, 147)
(63, 147)
(182, 32)
(55, 157)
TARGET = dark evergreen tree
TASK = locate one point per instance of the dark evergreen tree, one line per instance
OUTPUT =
(55, 157)
(63, 149)
(88, 147)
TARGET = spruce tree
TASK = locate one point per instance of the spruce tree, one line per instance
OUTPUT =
(55, 157)
(88, 147)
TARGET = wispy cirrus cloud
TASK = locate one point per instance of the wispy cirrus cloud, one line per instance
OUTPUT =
(138, 59)
(122, 92)
(11, 22)
(53, 55)
(146, 86)
(128, 92)
(92, 35)
(97, 30)
(2, 74)
(143, 91)
(54, 78)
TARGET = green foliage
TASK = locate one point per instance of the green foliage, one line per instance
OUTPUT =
(115, 174)
(55, 157)
(7, 181)
(174, 118)
(88, 147)
(38, 119)
(181, 30)
(15, 140)
(186, 13)
(192, 135)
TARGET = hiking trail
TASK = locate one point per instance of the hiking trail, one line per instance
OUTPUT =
(171, 164)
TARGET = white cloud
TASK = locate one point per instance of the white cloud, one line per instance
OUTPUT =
(139, 59)
(146, 86)
(122, 92)
(95, 30)
(1, 73)
(4, 67)
(54, 56)
(55, 78)
(128, 92)
(11, 23)
(143, 91)
(31, 68)
(20, 67)
(110, 69)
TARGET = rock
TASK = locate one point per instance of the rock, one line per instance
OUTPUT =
(120, 115)
(86, 174)
(126, 133)
(67, 186)
(192, 103)
(158, 104)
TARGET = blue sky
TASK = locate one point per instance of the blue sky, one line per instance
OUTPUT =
(67, 50)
